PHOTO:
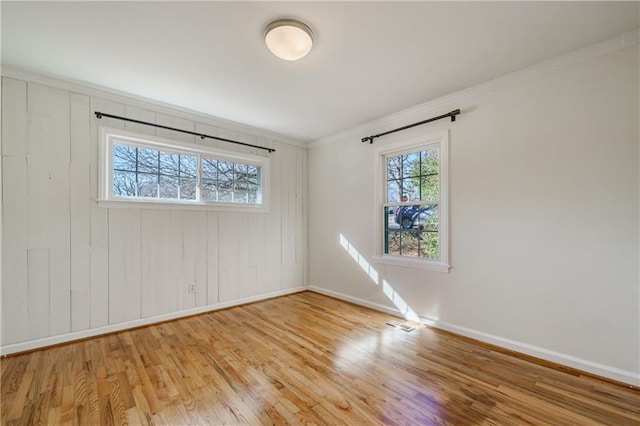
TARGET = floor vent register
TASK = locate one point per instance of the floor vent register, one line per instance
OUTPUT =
(401, 326)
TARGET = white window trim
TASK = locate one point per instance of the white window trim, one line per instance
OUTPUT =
(105, 173)
(440, 140)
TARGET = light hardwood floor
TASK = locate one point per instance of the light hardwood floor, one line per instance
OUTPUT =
(300, 359)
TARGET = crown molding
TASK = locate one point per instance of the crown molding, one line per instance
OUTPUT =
(84, 88)
(452, 100)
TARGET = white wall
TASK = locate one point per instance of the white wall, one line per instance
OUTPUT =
(543, 210)
(72, 269)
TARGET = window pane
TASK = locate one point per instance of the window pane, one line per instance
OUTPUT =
(225, 181)
(148, 160)
(404, 215)
(240, 195)
(412, 230)
(169, 163)
(124, 157)
(147, 185)
(393, 243)
(409, 243)
(394, 191)
(209, 190)
(225, 193)
(241, 172)
(168, 187)
(253, 194)
(240, 184)
(124, 184)
(209, 168)
(411, 164)
(430, 162)
(188, 188)
(241, 179)
(188, 166)
(411, 188)
(225, 171)
(254, 175)
(426, 218)
(427, 224)
(430, 187)
(394, 168)
(403, 242)
(429, 244)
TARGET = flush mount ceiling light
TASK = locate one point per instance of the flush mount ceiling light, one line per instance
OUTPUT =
(288, 39)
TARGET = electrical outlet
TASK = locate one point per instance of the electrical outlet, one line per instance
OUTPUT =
(192, 288)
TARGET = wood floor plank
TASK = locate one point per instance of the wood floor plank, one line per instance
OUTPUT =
(300, 359)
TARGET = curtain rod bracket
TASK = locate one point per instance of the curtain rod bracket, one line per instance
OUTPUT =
(368, 138)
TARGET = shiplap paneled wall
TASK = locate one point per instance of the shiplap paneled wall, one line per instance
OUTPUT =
(69, 265)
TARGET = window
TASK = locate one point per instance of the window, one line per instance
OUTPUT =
(412, 202)
(146, 169)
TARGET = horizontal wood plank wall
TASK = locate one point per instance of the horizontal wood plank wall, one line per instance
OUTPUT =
(70, 265)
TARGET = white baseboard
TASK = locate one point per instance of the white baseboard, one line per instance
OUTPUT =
(93, 332)
(356, 300)
(606, 371)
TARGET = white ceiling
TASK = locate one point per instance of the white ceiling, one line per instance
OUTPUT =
(370, 58)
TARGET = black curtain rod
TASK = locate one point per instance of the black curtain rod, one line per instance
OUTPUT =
(452, 114)
(202, 135)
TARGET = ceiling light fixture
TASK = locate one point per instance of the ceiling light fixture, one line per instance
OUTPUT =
(288, 39)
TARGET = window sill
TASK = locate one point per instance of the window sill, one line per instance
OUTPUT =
(163, 205)
(412, 263)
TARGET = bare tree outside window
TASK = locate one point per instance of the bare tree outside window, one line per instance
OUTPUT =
(152, 173)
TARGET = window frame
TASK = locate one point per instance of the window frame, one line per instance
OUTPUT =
(381, 153)
(106, 198)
